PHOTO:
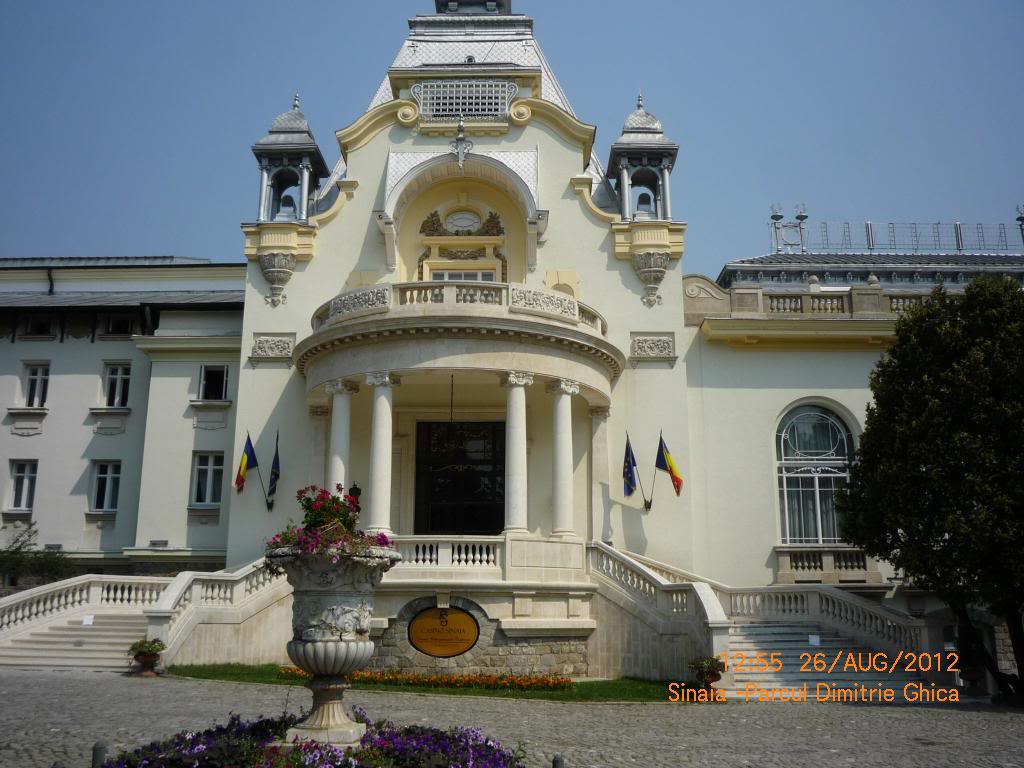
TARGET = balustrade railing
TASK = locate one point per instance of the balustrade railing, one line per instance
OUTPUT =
(504, 299)
(461, 552)
(170, 617)
(89, 592)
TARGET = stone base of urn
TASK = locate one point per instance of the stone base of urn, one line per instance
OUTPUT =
(332, 604)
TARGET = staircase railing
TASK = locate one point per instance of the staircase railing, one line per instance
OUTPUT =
(191, 594)
(694, 602)
(81, 594)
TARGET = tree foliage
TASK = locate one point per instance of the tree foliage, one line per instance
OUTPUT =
(937, 488)
(22, 557)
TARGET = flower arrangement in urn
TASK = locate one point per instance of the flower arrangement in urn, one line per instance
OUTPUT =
(333, 568)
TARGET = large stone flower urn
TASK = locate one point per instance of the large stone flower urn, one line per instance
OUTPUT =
(332, 605)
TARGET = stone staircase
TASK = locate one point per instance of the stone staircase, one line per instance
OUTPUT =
(71, 644)
(790, 641)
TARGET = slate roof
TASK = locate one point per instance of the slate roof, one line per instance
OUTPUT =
(121, 298)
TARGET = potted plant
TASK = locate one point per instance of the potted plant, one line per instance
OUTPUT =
(708, 669)
(333, 568)
(146, 654)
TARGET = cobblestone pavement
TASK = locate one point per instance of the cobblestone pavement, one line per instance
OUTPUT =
(47, 717)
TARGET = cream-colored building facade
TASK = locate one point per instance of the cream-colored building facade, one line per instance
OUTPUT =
(465, 317)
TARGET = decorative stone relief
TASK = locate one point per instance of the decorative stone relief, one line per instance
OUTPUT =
(109, 421)
(557, 305)
(278, 269)
(651, 268)
(341, 387)
(272, 347)
(564, 387)
(652, 347)
(26, 422)
(365, 302)
(383, 379)
(518, 379)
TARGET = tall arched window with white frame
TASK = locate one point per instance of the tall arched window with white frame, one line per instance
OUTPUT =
(814, 448)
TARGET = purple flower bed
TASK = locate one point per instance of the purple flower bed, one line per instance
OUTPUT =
(248, 745)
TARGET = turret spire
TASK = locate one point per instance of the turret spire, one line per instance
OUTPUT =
(640, 100)
(295, 102)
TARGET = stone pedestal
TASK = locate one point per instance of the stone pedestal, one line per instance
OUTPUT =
(331, 609)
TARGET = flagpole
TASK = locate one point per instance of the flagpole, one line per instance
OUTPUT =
(263, 488)
(643, 493)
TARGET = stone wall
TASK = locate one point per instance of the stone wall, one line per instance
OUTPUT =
(625, 645)
(1004, 650)
(494, 653)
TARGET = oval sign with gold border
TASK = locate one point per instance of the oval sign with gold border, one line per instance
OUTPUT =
(443, 632)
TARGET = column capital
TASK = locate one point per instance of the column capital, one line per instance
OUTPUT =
(341, 387)
(382, 379)
(564, 387)
(600, 412)
(517, 379)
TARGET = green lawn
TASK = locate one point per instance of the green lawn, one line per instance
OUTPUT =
(625, 689)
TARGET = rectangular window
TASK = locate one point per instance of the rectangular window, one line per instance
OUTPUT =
(118, 378)
(107, 486)
(37, 385)
(23, 476)
(37, 325)
(486, 276)
(213, 383)
(119, 325)
(207, 478)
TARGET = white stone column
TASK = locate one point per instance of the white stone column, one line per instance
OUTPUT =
(666, 190)
(320, 446)
(515, 451)
(562, 479)
(600, 489)
(379, 510)
(305, 168)
(262, 215)
(625, 190)
(341, 430)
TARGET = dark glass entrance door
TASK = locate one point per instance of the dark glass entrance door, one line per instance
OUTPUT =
(460, 477)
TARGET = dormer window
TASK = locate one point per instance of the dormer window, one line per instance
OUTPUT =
(471, 100)
(37, 325)
(120, 324)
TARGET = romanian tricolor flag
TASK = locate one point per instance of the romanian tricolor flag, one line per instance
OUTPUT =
(247, 462)
(664, 462)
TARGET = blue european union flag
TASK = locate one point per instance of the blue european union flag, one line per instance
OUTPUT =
(629, 478)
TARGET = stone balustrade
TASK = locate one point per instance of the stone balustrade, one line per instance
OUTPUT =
(448, 298)
(480, 554)
(82, 594)
(825, 565)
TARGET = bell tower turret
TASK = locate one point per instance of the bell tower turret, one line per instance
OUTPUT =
(641, 165)
(291, 167)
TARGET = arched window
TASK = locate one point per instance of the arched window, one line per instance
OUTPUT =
(813, 450)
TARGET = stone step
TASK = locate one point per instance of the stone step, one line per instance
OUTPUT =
(66, 663)
(109, 620)
(56, 653)
(43, 641)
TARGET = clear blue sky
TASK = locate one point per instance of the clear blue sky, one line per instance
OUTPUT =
(127, 125)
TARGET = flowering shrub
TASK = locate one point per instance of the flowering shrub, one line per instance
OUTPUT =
(490, 682)
(146, 646)
(385, 745)
(328, 526)
(233, 745)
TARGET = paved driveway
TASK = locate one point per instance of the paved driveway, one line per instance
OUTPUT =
(56, 716)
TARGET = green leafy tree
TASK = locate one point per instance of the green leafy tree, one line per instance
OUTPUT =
(937, 488)
(22, 557)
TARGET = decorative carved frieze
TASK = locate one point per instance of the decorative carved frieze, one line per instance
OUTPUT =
(651, 269)
(272, 347)
(278, 269)
(364, 302)
(319, 411)
(557, 305)
(652, 347)
(600, 412)
(518, 379)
